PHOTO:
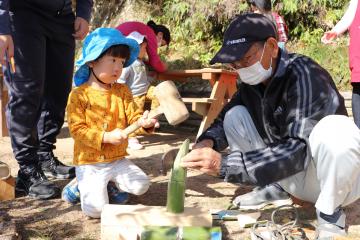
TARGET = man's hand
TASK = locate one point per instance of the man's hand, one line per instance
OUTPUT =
(147, 122)
(6, 45)
(81, 27)
(204, 143)
(116, 137)
(205, 159)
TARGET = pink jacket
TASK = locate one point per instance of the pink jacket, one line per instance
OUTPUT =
(154, 59)
(354, 48)
(351, 21)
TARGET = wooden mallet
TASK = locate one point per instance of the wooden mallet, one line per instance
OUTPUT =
(171, 105)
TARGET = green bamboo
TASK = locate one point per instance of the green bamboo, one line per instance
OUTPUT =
(183, 233)
(176, 186)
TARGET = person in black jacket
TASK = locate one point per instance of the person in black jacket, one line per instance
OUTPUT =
(40, 35)
(286, 124)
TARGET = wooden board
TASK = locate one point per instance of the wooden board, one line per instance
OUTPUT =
(127, 221)
(7, 189)
(198, 100)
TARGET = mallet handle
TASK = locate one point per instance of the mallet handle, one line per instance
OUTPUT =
(135, 126)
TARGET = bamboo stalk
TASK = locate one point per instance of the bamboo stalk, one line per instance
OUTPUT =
(176, 186)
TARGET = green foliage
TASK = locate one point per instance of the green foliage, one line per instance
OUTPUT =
(197, 29)
(305, 17)
(333, 58)
(197, 26)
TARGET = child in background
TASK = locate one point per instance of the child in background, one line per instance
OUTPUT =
(98, 110)
(156, 36)
(350, 21)
(265, 7)
(135, 76)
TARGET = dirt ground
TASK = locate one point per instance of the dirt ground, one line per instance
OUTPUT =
(55, 219)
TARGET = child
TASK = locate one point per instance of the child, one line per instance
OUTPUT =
(135, 76)
(264, 7)
(156, 36)
(98, 110)
(350, 21)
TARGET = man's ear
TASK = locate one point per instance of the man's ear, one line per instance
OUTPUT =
(273, 43)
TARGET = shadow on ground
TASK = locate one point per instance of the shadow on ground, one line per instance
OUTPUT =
(55, 219)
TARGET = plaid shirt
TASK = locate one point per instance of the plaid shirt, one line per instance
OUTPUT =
(281, 27)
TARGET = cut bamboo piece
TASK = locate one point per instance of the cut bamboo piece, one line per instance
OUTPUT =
(176, 186)
(184, 233)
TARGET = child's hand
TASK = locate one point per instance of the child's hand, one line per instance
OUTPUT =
(116, 137)
(328, 37)
(147, 122)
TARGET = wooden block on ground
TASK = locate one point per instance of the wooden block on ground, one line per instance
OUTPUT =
(3, 102)
(7, 189)
(120, 222)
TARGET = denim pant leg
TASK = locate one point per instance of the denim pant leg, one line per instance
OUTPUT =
(355, 103)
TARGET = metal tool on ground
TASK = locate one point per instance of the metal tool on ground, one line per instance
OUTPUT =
(245, 219)
(171, 105)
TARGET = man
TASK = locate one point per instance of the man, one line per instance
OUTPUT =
(287, 123)
(40, 34)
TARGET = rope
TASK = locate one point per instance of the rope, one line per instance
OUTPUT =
(277, 231)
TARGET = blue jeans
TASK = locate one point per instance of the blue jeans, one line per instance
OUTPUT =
(355, 103)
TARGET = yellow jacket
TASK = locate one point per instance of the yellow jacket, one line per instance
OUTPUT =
(92, 112)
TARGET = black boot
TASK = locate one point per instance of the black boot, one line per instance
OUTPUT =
(52, 167)
(34, 183)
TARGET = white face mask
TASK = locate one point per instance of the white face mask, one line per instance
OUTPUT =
(255, 73)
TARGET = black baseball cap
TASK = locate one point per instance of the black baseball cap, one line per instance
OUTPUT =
(242, 32)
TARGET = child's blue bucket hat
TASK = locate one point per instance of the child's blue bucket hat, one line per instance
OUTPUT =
(95, 44)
